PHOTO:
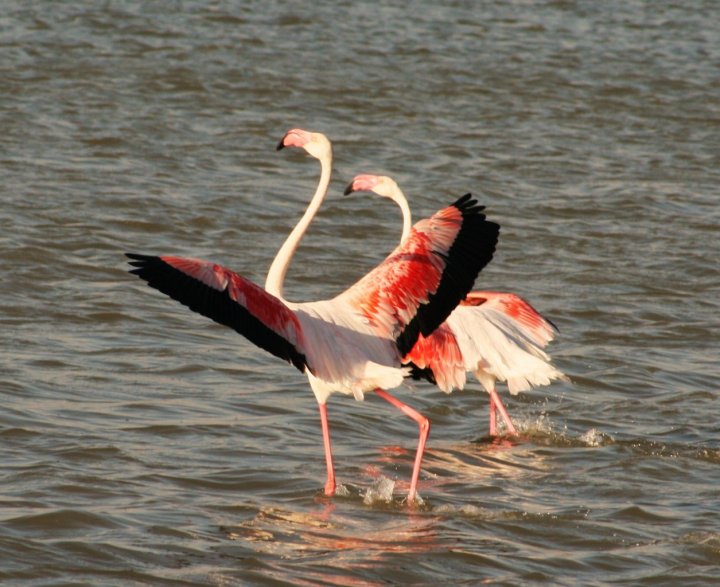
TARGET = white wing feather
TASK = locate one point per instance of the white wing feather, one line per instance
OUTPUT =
(497, 347)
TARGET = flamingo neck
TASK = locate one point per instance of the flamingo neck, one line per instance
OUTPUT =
(274, 283)
(400, 199)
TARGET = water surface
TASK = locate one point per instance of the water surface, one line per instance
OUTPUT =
(145, 445)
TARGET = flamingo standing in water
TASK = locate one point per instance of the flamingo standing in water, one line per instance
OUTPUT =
(354, 342)
(498, 336)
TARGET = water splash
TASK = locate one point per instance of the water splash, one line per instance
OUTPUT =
(542, 425)
(467, 510)
(342, 491)
(594, 437)
(381, 491)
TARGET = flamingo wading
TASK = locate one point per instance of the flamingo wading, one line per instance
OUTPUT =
(497, 336)
(318, 146)
(354, 342)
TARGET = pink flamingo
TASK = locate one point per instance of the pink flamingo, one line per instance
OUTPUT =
(354, 342)
(498, 336)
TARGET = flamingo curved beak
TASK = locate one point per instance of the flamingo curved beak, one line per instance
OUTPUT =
(362, 183)
(294, 138)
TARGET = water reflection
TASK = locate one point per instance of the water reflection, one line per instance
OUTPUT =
(346, 536)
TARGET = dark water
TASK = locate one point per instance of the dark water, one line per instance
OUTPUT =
(144, 445)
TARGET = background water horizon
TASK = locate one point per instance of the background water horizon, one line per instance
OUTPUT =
(145, 445)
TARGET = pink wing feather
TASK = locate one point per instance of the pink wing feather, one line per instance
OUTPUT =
(538, 328)
(229, 299)
(419, 284)
(411, 293)
(438, 359)
(506, 348)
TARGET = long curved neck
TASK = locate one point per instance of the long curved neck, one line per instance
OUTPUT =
(275, 280)
(400, 199)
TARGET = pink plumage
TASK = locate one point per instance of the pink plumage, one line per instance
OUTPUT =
(495, 335)
(352, 343)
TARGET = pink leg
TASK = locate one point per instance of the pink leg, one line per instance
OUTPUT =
(424, 425)
(495, 401)
(493, 418)
(330, 483)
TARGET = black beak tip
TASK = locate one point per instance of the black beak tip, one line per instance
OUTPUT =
(280, 145)
(348, 189)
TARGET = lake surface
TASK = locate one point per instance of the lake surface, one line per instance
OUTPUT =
(142, 444)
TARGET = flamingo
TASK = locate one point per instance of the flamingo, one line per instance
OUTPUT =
(352, 343)
(498, 336)
(319, 146)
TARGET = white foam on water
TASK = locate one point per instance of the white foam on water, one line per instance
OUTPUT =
(594, 437)
(342, 491)
(380, 491)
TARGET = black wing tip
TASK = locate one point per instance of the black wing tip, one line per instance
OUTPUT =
(143, 263)
(462, 200)
(468, 205)
(214, 304)
(136, 258)
(419, 374)
(407, 338)
(473, 249)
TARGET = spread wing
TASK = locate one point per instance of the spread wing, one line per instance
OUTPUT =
(419, 284)
(226, 298)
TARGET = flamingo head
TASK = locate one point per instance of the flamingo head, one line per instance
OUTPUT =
(386, 187)
(381, 185)
(315, 143)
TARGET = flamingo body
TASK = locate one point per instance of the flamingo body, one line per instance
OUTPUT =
(497, 336)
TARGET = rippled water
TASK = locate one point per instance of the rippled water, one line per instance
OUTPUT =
(144, 445)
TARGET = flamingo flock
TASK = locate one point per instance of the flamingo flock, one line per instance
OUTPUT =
(414, 315)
